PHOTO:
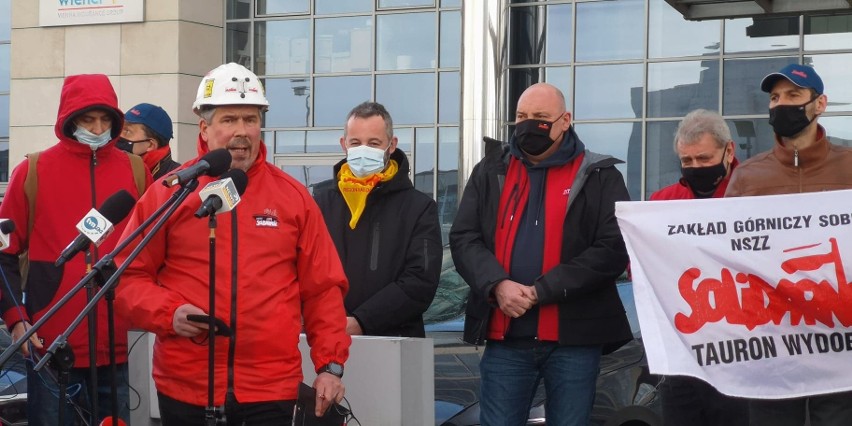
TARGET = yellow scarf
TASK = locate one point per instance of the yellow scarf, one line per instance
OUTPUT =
(355, 190)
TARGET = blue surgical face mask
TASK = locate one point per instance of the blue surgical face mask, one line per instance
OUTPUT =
(95, 141)
(365, 160)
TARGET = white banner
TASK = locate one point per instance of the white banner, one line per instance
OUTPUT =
(749, 294)
(84, 12)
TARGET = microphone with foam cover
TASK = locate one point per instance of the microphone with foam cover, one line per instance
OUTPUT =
(96, 226)
(222, 195)
(214, 163)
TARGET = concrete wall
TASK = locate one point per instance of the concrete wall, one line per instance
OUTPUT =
(390, 381)
(160, 61)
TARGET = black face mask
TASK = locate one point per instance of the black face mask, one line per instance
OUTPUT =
(790, 120)
(124, 145)
(127, 145)
(533, 136)
(704, 180)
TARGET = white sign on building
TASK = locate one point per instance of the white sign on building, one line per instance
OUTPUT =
(54, 13)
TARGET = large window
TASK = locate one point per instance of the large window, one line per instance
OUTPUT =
(630, 69)
(320, 58)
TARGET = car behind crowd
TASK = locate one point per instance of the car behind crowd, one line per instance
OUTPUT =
(13, 386)
(626, 393)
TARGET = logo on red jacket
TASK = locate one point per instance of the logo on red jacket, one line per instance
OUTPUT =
(267, 219)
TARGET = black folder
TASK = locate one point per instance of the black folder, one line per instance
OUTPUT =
(304, 413)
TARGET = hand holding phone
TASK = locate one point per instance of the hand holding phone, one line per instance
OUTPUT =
(222, 329)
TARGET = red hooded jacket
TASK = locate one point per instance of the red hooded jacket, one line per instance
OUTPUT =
(287, 272)
(72, 179)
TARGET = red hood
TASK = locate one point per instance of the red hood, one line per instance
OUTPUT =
(202, 148)
(83, 92)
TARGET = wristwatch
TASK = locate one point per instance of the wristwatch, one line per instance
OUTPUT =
(332, 368)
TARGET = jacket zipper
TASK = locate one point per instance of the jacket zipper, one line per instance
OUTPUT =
(796, 165)
(232, 345)
(92, 165)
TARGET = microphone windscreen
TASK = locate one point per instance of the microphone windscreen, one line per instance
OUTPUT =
(117, 206)
(239, 177)
(7, 227)
(219, 161)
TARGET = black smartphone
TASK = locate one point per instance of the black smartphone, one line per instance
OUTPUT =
(222, 329)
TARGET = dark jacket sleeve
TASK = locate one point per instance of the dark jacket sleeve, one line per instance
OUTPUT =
(11, 302)
(15, 208)
(406, 299)
(471, 239)
(605, 257)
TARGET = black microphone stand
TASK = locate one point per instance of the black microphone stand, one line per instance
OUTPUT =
(63, 362)
(105, 273)
(93, 342)
(210, 412)
(62, 354)
(62, 339)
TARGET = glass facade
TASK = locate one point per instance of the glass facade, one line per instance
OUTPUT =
(627, 71)
(629, 74)
(320, 58)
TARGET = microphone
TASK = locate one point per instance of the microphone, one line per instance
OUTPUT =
(7, 227)
(214, 163)
(98, 224)
(222, 195)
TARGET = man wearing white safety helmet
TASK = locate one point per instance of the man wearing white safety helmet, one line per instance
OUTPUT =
(276, 268)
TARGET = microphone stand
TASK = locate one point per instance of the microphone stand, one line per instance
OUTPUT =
(210, 411)
(62, 355)
(62, 339)
(93, 345)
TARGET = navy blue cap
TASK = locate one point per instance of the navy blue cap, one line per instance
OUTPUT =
(803, 76)
(152, 116)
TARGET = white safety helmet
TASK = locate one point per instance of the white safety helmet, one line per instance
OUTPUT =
(230, 84)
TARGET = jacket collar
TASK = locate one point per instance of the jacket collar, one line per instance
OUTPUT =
(813, 154)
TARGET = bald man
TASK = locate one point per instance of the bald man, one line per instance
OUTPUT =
(537, 241)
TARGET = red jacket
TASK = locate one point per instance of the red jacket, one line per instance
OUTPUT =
(287, 270)
(72, 179)
(681, 190)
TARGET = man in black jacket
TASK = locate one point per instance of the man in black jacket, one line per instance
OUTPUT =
(536, 237)
(386, 232)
